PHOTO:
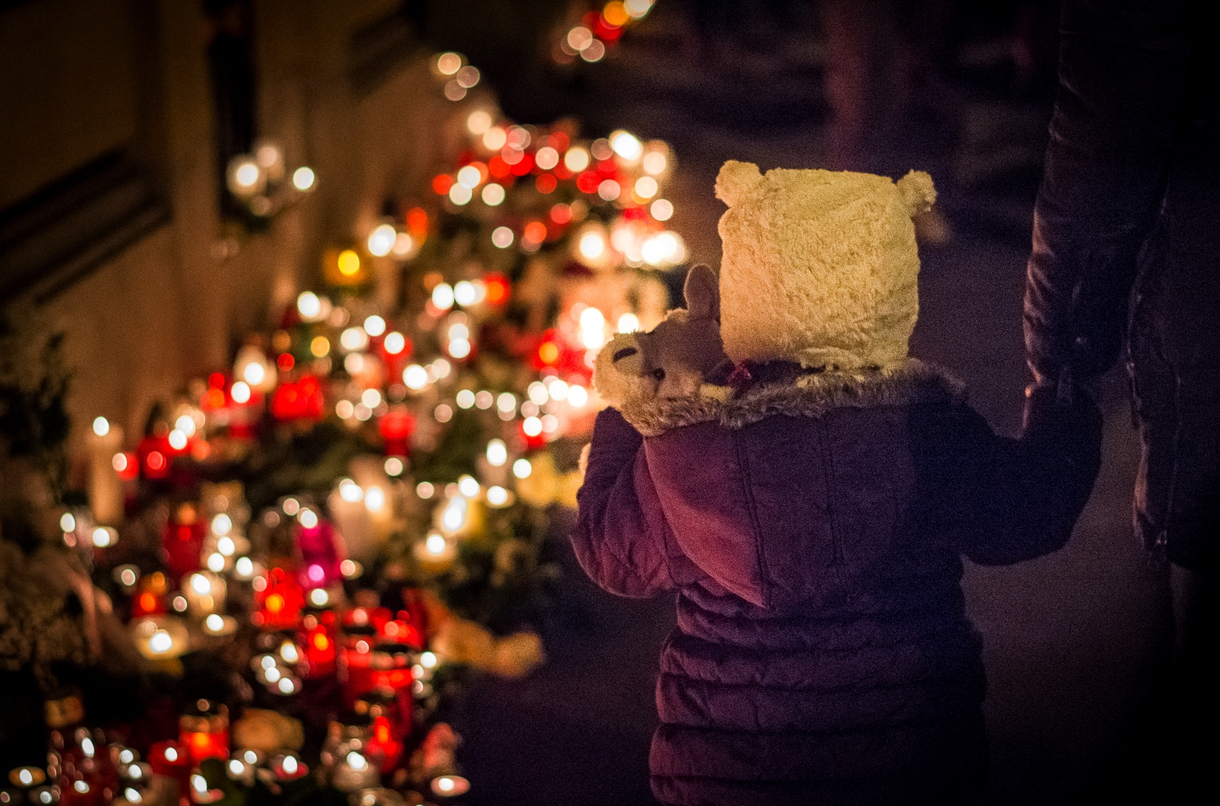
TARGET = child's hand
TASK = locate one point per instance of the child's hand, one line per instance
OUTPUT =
(1055, 413)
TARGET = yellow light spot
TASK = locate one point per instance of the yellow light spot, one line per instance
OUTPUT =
(615, 13)
(349, 263)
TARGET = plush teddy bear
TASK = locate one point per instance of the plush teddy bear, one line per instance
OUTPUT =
(680, 363)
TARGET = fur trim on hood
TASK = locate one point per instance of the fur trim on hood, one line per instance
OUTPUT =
(801, 394)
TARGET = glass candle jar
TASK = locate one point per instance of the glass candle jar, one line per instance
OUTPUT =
(204, 730)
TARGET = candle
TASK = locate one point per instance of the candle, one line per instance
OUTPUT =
(302, 399)
(219, 626)
(105, 488)
(318, 640)
(450, 786)
(390, 666)
(289, 767)
(435, 553)
(359, 618)
(160, 637)
(201, 792)
(255, 368)
(244, 408)
(396, 427)
(149, 600)
(45, 795)
(358, 666)
(354, 770)
(278, 599)
(172, 759)
(26, 777)
(370, 473)
(390, 724)
(353, 519)
(204, 729)
(183, 541)
(205, 593)
(319, 550)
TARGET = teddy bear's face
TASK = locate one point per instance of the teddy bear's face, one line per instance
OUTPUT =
(675, 358)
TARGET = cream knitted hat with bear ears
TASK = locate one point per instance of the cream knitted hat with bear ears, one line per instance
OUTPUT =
(819, 267)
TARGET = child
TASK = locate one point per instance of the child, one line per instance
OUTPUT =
(811, 512)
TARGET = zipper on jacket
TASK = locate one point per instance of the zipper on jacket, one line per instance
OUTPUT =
(828, 474)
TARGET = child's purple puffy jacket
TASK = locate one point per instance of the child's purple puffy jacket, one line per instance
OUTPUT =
(813, 529)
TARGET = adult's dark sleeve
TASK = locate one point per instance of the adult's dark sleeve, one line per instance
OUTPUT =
(1121, 80)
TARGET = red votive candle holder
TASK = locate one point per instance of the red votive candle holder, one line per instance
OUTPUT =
(278, 601)
(359, 618)
(390, 666)
(172, 759)
(183, 542)
(204, 729)
(389, 725)
(318, 641)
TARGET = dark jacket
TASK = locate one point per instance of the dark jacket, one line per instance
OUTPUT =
(1126, 242)
(813, 531)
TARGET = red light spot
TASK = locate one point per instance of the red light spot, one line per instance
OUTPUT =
(417, 220)
(498, 168)
(524, 166)
(535, 232)
(155, 460)
(561, 213)
(131, 468)
(216, 380)
(442, 183)
(546, 183)
(587, 182)
(497, 288)
(559, 141)
(285, 361)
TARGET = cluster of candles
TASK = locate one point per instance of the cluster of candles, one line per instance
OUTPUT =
(619, 171)
(85, 769)
(262, 182)
(598, 29)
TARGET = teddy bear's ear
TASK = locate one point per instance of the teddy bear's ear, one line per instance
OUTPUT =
(736, 181)
(702, 292)
(917, 191)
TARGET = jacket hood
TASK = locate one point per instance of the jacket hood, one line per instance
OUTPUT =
(748, 489)
(819, 267)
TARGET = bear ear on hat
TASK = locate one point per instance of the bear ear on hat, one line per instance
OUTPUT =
(702, 292)
(917, 192)
(736, 181)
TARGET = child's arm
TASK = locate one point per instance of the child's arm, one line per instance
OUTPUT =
(620, 530)
(1027, 493)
